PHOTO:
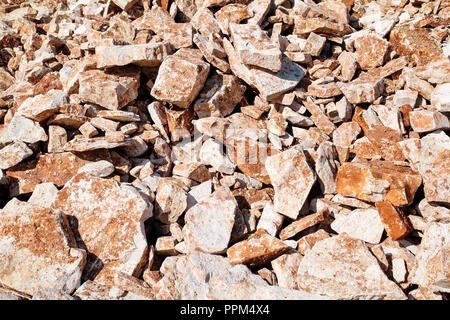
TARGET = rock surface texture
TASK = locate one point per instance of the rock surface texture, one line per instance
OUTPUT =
(224, 149)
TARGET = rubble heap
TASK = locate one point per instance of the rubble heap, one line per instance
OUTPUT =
(251, 149)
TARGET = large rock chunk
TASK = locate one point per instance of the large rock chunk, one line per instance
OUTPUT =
(254, 47)
(108, 219)
(432, 259)
(259, 249)
(209, 223)
(205, 276)
(38, 249)
(42, 106)
(292, 179)
(395, 221)
(145, 55)
(22, 129)
(344, 268)
(431, 157)
(181, 77)
(57, 168)
(378, 181)
(111, 89)
(13, 154)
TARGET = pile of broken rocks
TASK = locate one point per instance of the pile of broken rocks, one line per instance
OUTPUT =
(220, 149)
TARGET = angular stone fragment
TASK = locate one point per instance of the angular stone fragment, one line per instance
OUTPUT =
(44, 195)
(119, 115)
(42, 106)
(362, 224)
(195, 171)
(344, 268)
(378, 181)
(111, 89)
(232, 13)
(285, 268)
(326, 167)
(436, 72)
(269, 84)
(254, 47)
(395, 222)
(349, 65)
(219, 96)
(307, 242)
(440, 97)
(98, 169)
(292, 179)
(205, 276)
(124, 4)
(57, 138)
(430, 156)
(209, 51)
(428, 120)
(303, 223)
(170, 201)
(415, 43)
(270, 220)
(205, 22)
(211, 154)
(81, 144)
(259, 249)
(93, 290)
(362, 90)
(13, 154)
(57, 168)
(109, 220)
(314, 44)
(38, 249)
(209, 223)
(432, 267)
(181, 77)
(371, 50)
(22, 129)
(145, 55)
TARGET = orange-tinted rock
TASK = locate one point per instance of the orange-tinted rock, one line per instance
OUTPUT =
(112, 89)
(371, 50)
(180, 123)
(378, 181)
(249, 198)
(307, 242)
(38, 249)
(108, 220)
(57, 168)
(303, 223)
(416, 43)
(428, 120)
(396, 223)
(259, 249)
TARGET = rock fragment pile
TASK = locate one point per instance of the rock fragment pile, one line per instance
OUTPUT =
(252, 149)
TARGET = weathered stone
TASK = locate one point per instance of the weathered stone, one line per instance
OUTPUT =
(346, 133)
(362, 224)
(211, 154)
(119, 115)
(254, 47)
(209, 223)
(57, 138)
(98, 169)
(124, 4)
(181, 77)
(362, 90)
(81, 144)
(44, 195)
(22, 129)
(219, 96)
(349, 65)
(415, 43)
(205, 22)
(326, 167)
(440, 97)
(307, 242)
(428, 120)
(111, 89)
(93, 290)
(370, 50)
(270, 220)
(378, 181)
(344, 268)
(303, 223)
(205, 276)
(195, 171)
(292, 179)
(436, 72)
(402, 97)
(232, 13)
(209, 49)
(326, 90)
(106, 202)
(432, 268)
(259, 249)
(285, 267)
(38, 249)
(42, 106)
(429, 156)
(13, 154)
(314, 44)
(145, 55)
(170, 201)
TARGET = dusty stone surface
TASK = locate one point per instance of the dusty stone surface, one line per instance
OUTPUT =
(292, 179)
(38, 249)
(281, 124)
(345, 269)
(88, 199)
